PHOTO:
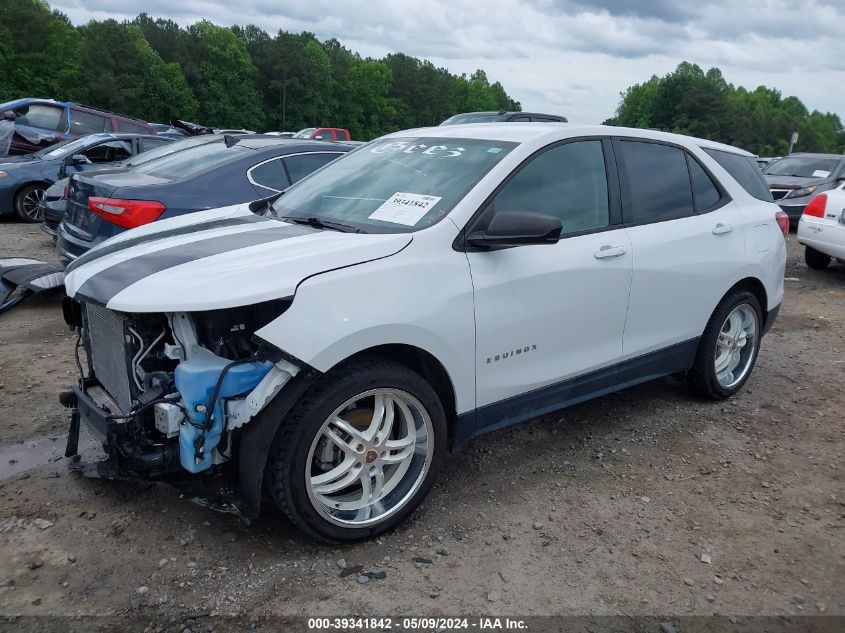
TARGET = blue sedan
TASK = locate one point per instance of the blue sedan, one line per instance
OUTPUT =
(217, 171)
(24, 179)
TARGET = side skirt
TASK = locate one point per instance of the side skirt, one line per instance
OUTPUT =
(491, 417)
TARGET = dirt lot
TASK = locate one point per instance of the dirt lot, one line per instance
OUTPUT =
(644, 502)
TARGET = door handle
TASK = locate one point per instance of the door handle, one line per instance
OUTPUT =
(721, 229)
(607, 251)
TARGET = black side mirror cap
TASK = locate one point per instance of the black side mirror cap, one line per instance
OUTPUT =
(517, 228)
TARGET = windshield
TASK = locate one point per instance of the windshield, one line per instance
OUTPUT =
(63, 148)
(805, 167)
(395, 185)
(306, 133)
(474, 117)
(192, 161)
(166, 150)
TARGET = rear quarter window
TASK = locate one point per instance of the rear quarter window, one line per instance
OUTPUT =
(745, 171)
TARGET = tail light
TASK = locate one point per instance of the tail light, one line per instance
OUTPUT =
(126, 213)
(817, 206)
(64, 192)
(783, 222)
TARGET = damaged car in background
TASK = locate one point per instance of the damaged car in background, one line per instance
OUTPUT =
(327, 346)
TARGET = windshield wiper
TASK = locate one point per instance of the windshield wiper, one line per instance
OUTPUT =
(319, 223)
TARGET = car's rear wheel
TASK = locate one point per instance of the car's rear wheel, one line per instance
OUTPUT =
(728, 348)
(815, 259)
(360, 451)
(27, 201)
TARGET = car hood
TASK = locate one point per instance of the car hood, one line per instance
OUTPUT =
(216, 259)
(792, 182)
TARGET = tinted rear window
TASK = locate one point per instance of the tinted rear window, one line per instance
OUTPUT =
(658, 181)
(745, 171)
(706, 193)
(192, 161)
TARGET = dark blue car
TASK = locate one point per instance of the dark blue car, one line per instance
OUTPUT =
(223, 170)
(24, 179)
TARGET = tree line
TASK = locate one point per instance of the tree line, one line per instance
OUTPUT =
(691, 101)
(238, 77)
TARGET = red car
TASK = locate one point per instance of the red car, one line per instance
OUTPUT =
(324, 134)
(40, 123)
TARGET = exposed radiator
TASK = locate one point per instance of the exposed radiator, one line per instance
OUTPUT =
(107, 336)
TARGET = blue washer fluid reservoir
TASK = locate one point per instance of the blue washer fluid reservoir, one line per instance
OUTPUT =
(195, 380)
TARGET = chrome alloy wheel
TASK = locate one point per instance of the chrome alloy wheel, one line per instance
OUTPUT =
(30, 204)
(736, 345)
(369, 457)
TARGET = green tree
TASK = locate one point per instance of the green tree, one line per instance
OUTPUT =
(41, 51)
(226, 89)
(124, 74)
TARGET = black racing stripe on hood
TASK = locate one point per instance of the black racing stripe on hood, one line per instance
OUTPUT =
(104, 285)
(95, 254)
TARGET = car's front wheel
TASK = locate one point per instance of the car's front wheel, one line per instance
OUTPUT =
(360, 451)
(27, 201)
(816, 259)
(728, 347)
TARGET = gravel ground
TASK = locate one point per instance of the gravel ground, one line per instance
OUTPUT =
(640, 503)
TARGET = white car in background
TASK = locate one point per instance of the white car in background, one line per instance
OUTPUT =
(332, 345)
(822, 228)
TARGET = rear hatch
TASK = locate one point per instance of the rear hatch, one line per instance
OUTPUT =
(83, 223)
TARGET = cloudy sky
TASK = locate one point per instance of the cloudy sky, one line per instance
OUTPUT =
(569, 57)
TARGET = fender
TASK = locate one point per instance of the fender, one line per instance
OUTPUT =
(258, 439)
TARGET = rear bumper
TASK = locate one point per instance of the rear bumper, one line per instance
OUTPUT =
(824, 236)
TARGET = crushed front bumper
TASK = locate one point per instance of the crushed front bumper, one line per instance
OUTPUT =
(124, 459)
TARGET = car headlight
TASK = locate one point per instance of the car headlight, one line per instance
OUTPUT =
(800, 193)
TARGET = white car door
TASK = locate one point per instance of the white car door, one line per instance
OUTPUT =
(688, 241)
(548, 313)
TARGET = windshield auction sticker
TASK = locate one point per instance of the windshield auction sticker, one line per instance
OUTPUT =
(404, 208)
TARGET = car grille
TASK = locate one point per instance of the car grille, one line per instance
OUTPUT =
(107, 340)
(779, 194)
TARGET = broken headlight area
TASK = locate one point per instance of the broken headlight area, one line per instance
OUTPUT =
(169, 392)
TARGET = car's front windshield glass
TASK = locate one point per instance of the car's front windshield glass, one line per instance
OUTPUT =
(395, 185)
(63, 148)
(804, 167)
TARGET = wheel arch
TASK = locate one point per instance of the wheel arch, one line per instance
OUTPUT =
(755, 287)
(426, 365)
(258, 438)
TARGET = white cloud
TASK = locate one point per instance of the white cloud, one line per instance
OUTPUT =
(569, 57)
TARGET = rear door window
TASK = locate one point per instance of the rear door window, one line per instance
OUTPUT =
(88, 123)
(270, 175)
(130, 126)
(323, 135)
(705, 192)
(42, 116)
(658, 182)
(300, 166)
(109, 152)
(745, 171)
(342, 135)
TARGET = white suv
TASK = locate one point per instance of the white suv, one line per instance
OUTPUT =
(329, 346)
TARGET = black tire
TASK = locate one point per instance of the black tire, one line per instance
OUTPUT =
(815, 259)
(288, 464)
(701, 377)
(24, 199)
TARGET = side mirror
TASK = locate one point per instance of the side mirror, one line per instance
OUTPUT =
(517, 228)
(77, 159)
